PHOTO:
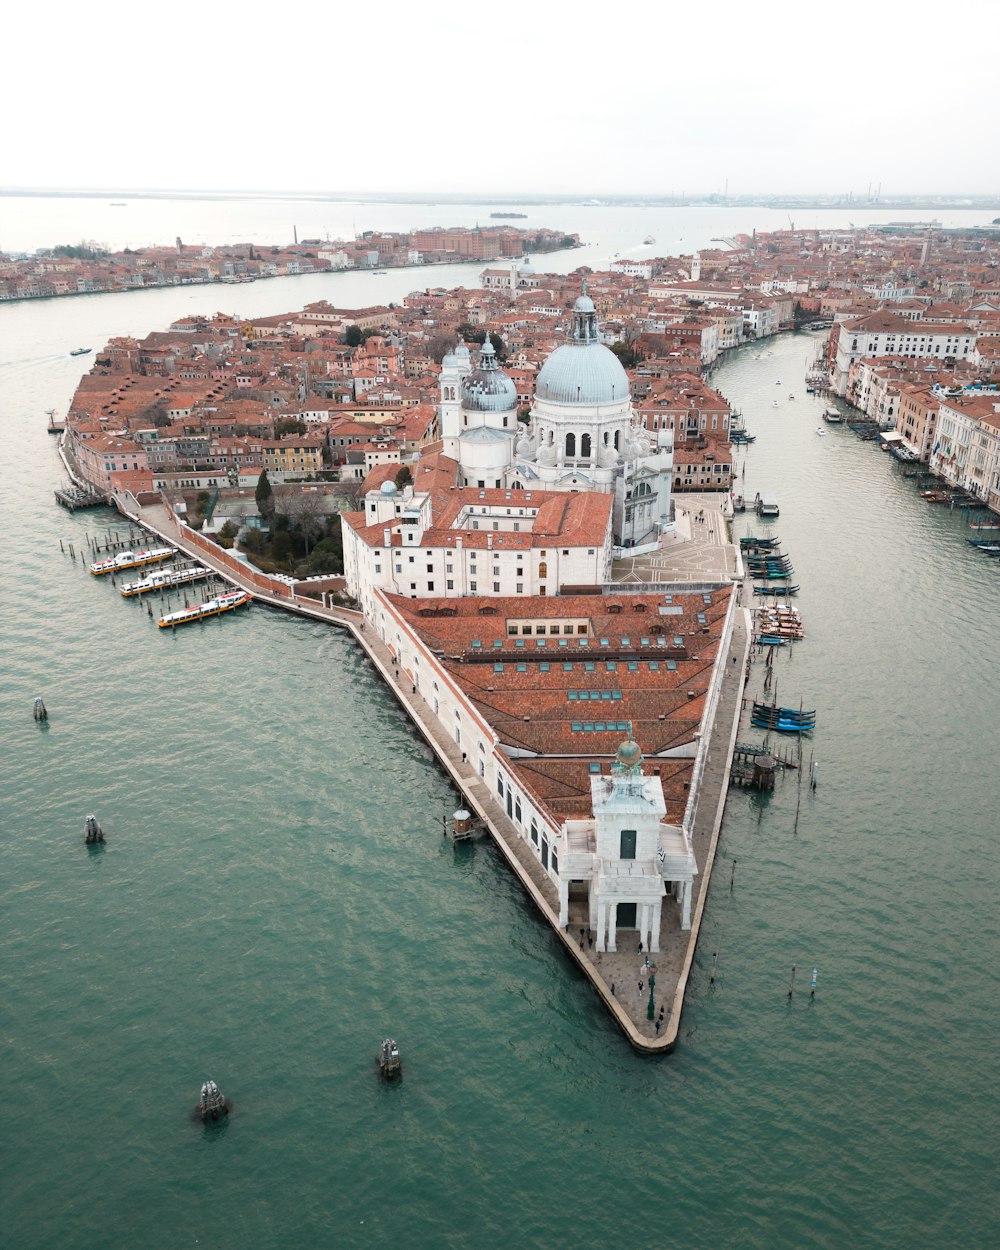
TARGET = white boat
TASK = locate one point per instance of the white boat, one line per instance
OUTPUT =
(164, 579)
(832, 416)
(774, 404)
(211, 607)
(132, 560)
(820, 431)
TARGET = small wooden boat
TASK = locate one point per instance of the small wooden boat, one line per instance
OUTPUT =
(212, 1104)
(390, 1063)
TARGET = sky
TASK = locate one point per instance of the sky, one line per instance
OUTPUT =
(521, 98)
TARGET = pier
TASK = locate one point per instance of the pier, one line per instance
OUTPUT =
(611, 974)
(74, 497)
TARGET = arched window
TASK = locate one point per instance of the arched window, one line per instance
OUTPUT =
(570, 446)
(585, 446)
(606, 438)
(616, 440)
(543, 569)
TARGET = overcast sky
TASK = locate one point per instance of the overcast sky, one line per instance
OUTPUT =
(525, 97)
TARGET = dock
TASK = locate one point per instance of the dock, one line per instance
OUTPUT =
(74, 497)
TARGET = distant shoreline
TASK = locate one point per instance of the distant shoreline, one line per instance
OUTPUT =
(916, 203)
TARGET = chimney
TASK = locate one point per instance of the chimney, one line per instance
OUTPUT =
(386, 534)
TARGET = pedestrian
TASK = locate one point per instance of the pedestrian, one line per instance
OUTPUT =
(657, 1026)
(640, 987)
(612, 989)
(639, 947)
(464, 757)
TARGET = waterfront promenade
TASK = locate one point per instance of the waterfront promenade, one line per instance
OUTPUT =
(614, 975)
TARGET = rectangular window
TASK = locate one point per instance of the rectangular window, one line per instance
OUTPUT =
(500, 785)
(627, 844)
(545, 853)
(534, 833)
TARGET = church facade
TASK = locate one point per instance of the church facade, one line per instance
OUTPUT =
(582, 433)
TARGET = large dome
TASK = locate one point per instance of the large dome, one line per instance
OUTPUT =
(583, 373)
(488, 388)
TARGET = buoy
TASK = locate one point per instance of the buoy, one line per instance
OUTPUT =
(40, 711)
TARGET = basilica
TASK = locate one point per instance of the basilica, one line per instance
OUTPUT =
(582, 434)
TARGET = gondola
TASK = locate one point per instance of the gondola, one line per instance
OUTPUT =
(775, 590)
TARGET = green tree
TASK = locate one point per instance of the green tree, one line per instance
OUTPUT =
(473, 335)
(403, 478)
(227, 535)
(352, 336)
(264, 496)
(627, 354)
(289, 425)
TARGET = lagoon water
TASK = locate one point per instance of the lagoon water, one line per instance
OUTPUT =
(275, 895)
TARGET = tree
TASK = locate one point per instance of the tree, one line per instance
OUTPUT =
(352, 336)
(264, 496)
(473, 335)
(403, 477)
(227, 535)
(627, 354)
(289, 425)
(306, 511)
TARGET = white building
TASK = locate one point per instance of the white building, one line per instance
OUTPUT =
(888, 334)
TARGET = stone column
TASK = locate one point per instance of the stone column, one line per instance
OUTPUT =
(686, 905)
(654, 925)
(612, 910)
(563, 903)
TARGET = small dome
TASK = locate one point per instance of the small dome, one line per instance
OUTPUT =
(388, 488)
(629, 755)
(488, 388)
(584, 305)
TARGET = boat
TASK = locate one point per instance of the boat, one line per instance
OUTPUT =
(774, 404)
(757, 540)
(820, 431)
(648, 240)
(984, 525)
(769, 640)
(935, 496)
(212, 1104)
(832, 416)
(211, 607)
(791, 396)
(390, 1063)
(81, 351)
(985, 544)
(766, 505)
(164, 579)
(132, 560)
(775, 590)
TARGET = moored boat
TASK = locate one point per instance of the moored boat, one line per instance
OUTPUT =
(211, 607)
(832, 416)
(164, 579)
(132, 560)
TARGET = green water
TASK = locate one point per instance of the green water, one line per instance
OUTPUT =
(275, 895)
